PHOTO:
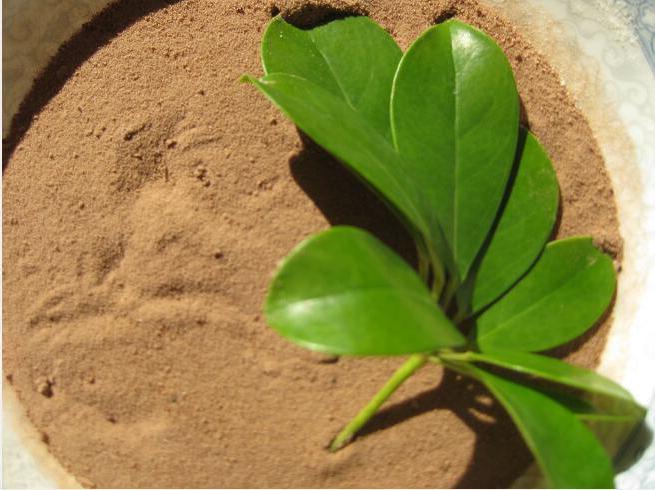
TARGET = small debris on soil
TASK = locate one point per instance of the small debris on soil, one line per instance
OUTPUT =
(319, 357)
(44, 387)
(85, 482)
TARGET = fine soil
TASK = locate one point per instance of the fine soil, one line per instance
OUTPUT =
(147, 199)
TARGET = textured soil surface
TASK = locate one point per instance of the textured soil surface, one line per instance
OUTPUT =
(145, 208)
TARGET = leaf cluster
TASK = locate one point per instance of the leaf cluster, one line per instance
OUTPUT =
(435, 133)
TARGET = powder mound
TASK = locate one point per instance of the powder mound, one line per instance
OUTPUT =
(146, 207)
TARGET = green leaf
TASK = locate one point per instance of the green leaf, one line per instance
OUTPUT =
(603, 405)
(354, 58)
(612, 420)
(344, 132)
(566, 291)
(454, 117)
(526, 221)
(344, 292)
(594, 408)
(566, 450)
(550, 369)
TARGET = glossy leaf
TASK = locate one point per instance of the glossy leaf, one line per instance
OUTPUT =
(604, 406)
(344, 292)
(354, 58)
(566, 291)
(612, 420)
(551, 369)
(454, 118)
(566, 450)
(594, 408)
(526, 221)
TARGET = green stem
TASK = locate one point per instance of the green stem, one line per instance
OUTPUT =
(467, 356)
(423, 263)
(448, 294)
(438, 273)
(460, 316)
(413, 364)
(457, 361)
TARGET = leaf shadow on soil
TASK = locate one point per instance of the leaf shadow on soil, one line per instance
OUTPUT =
(345, 200)
(499, 454)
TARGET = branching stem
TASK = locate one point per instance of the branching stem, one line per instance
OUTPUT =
(413, 364)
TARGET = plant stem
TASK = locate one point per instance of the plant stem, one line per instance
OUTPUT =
(413, 364)
(423, 263)
(457, 356)
(457, 361)
(438, 274)
(460, 316)
(448, 294)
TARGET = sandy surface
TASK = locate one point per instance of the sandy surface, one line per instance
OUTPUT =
(144, 211)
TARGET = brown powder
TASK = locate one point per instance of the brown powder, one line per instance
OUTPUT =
(145, 209)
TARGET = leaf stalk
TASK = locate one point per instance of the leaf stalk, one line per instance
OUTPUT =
(438, 273)
(413, 364)
(423, 263)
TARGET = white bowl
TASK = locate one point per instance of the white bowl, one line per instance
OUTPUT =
(605, 53)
